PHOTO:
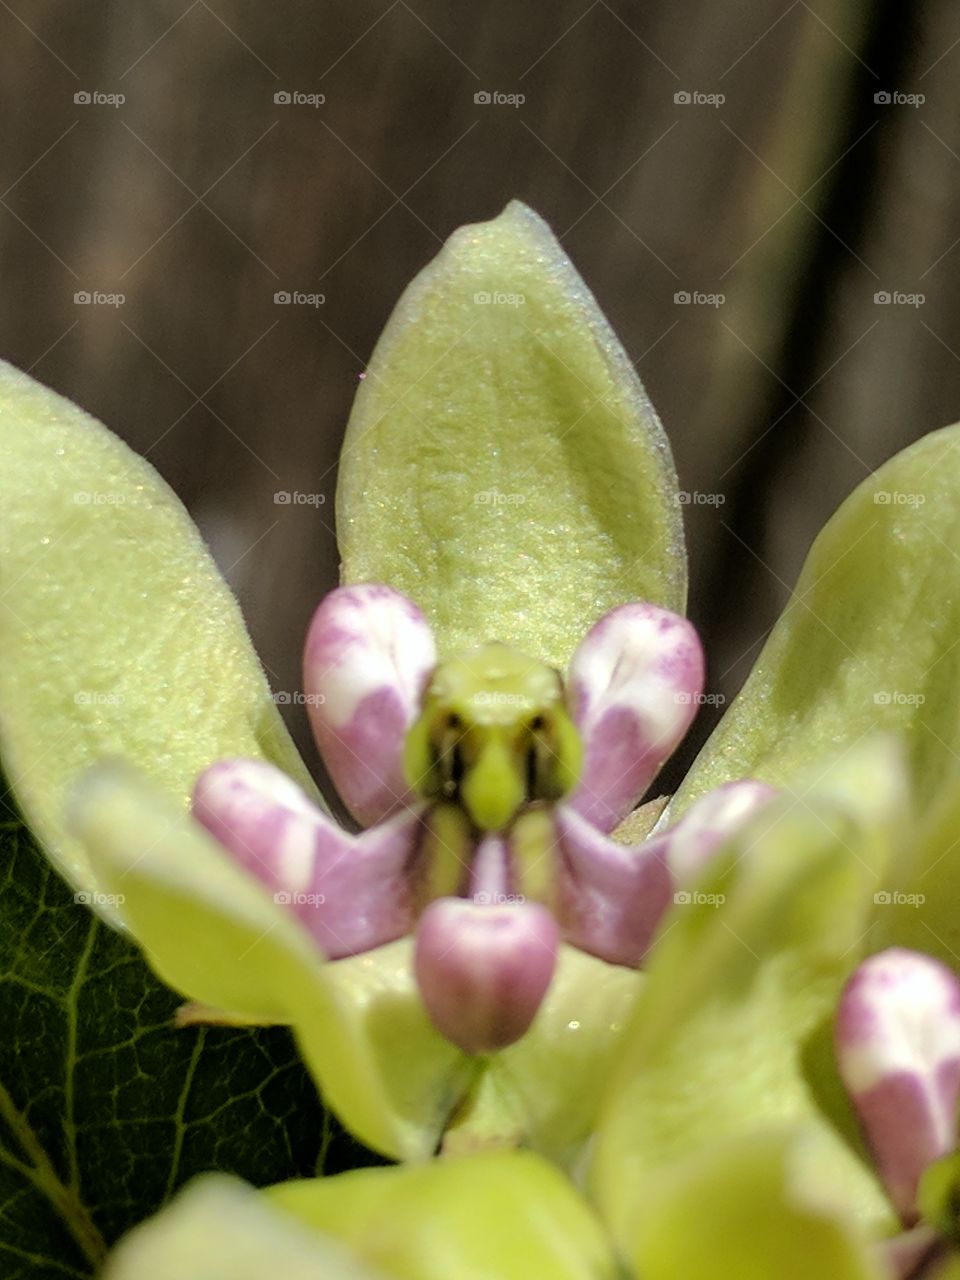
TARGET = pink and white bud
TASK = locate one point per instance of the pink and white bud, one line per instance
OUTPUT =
(709, 823)
(351, 892)
(483, 971)
(368, 657)
(610, 897)
(898, 1050)
(633, 689)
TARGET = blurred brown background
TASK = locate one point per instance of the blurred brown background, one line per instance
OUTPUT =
(828, 174)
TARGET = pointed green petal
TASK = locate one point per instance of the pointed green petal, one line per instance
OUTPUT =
(220, 1229)
(737, 993)
(738, 1211)
(868, 642)
(214, 934)
(117, 634)
(503, 465)
(508, 1215)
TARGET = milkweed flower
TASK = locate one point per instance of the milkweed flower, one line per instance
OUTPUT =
(503, 469)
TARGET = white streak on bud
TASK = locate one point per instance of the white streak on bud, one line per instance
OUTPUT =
(633, 689)
(368, 657)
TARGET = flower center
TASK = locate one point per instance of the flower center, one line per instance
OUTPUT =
(493, 737)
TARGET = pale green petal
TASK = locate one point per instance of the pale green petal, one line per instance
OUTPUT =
(221, 1229)
(739, 1210)
(503, 1215)
(213, 933)
(920, 903)
(726, 1035)
(869, 641)
(544, 1091)
(117, 634)
(380, 1064)
(503, 465)
(207, 928)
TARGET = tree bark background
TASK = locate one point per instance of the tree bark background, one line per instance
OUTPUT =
(799, 199)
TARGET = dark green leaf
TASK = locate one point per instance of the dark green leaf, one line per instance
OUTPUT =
(105, 1108)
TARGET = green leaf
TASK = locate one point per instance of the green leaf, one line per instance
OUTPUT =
(105, 1108)
(220, 1229)
(214, 933)
(510, 1215)
(737, 1211)
(868, 641)
(503, 465)
(117, 634)
(748, 967)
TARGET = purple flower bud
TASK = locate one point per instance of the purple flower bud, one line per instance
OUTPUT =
(483, 970)
(610, 897)
(368, 657)
(633, 690)
(898, 1049)
(709, 823)
(351, 892)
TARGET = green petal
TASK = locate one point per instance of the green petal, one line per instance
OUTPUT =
(739, 1211)
(220, 1229)
(544, 1091)
(508, 1215)
(920, 903)
(737, 993)
(207, 928)
(213, 933)
(380, 1064)
(869, 640)
(503, 465)
(117, 634)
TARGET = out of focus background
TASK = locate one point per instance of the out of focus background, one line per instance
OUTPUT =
(764, 197)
